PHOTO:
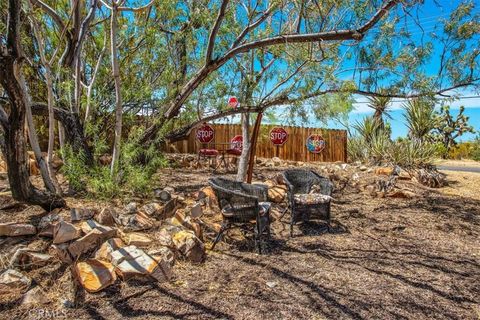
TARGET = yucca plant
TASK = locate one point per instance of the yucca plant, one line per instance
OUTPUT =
(381, 105)
(420, 117)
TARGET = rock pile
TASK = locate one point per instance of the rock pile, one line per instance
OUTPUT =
(111, 244)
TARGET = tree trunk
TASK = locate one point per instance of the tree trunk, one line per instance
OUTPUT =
(14, 128)
(118, 94)
(243, 161)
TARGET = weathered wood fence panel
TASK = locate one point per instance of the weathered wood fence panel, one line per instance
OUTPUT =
(294, 148)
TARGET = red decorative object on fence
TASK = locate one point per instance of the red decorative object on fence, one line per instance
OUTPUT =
(278, 136)
(233, 102)
(237, 143)
(205, 133)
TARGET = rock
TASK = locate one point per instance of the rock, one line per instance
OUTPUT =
(107, 216)
(189, 246)
(271, 284)
(12, 229)
(12, 281)
(26, 259)
(35, 296)
(90, 241)
(163, 253)
(196, 211)
(47, 224)
(140, 221)
(405, 194)
(209, 194)
(131, 208)
(164, 238)
(169, 209)
(277, 161)
(79, 214)
(95, 275)
(136, 239)
(386, 171)
(89, 225)
(106, 249)
(404, 175)
(363, 168)
(152, 209)
(64, 232)
(180, 219)
(105, 159)
(162, 195)
(61, 252)
(169, 189)
(276, 194)
(131, 262)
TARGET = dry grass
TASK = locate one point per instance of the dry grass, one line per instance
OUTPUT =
(385, 259)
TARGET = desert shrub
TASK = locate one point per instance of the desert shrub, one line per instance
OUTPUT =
(372, 144)
(134, 174)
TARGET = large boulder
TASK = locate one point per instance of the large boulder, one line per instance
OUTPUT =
(13, 229)
(95, 275)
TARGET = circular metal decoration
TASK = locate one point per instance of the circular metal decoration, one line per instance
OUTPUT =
(205, 133)
(315, 143)
(237, 143)
(278, 136)
(233, 102)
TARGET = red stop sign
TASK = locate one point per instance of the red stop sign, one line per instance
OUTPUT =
(278, 136)
(205, 133)
(233, 102)
(237, 143)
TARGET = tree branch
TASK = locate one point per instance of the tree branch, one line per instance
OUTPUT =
(137, 8)
(214, 31)
(52, 13)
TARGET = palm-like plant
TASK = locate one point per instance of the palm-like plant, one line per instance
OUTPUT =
(381, 105)
(420, 117)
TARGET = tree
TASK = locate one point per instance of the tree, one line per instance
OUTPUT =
(13, 123)
(449, 128)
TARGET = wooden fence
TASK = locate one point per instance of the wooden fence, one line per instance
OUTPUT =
(294, 148)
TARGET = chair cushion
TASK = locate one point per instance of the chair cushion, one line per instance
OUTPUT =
(311, 198)
(208, 152)
(234, 152)
(228, 211)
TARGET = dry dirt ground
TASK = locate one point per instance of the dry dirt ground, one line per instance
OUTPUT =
(386, 258)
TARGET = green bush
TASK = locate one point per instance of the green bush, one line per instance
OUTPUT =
(133, 174)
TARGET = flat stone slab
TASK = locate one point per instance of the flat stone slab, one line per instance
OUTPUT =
(95, 275)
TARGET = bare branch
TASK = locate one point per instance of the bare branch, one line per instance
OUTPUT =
(214, 31)
(52, 13)
(137, 8)
(252, 26)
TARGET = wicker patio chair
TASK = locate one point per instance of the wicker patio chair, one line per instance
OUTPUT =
(309, 195)
(241, 204)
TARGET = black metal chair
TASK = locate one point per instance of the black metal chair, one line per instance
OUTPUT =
(242, 203)
(309, 194)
